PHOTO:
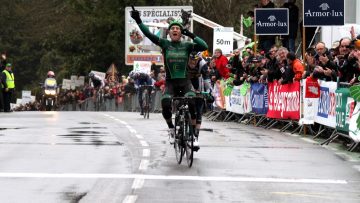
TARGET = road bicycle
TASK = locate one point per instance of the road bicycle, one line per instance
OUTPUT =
(184, 136)
(146, 99)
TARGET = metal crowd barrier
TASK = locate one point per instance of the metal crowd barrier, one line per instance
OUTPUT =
(129, 103)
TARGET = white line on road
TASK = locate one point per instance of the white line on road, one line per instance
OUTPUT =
(144, 165)
(130, 199)
(131, 129)
(357, 167)
(144, 143)
(309, 140)
(164, 177)
(139, 136)
(146, 152)
(138, 183)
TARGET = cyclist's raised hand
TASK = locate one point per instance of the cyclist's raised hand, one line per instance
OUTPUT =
(135, 14)
(186, 32)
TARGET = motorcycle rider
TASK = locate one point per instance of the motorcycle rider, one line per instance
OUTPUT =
(49, 87)
(50, 81)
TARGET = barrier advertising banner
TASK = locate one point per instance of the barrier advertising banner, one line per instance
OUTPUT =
(218, 94)
(310, 101)
(259, 98)
(284, 101)
(344, 109)
(239, 100)
(326, 112)
(354, 129)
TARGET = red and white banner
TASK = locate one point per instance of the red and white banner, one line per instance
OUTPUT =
(310, 100)
(284, 101)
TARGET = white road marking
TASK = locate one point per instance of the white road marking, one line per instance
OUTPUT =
(131, 129)
(357, 167)
(140, 137)
(144, 165)
(346, 157)
(130, 199)
(146, 152)
(144, 143)
(123, 122)
(164, 177)
(309, 140)
(138, 183)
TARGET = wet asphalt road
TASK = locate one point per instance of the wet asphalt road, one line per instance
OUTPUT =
(120, 157)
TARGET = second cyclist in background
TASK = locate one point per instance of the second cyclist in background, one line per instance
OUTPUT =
(142, 81)
(198, 73)
(96, 82)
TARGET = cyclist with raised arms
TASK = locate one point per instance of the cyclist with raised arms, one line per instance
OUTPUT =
(176, 54)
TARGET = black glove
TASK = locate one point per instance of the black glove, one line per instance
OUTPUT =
(186, 32)
(136, 16)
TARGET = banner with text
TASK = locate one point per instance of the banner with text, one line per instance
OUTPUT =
(344, 109)
(354, 129)
(239, 100)
(310, 100)
(218, 94)
(323, 13)
(284, 101)
(326, 112)
(223, 39)
(259, 98)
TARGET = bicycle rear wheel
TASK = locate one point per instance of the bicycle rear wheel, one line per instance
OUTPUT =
(189, 140)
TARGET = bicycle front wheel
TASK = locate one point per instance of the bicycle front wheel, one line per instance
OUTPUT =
(189, 140)
(178, 146)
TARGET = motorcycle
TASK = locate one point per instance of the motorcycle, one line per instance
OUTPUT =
(49, 95)
(49, 98)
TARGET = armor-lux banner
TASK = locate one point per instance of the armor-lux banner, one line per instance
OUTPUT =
(259, 98)
(284, 101)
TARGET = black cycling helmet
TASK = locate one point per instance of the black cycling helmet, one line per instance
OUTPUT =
(91, 74)
(194, 55)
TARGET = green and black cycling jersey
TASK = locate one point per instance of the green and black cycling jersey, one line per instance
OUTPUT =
(176, 54)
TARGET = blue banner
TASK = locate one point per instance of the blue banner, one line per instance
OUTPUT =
(259, 98)
(271, 21)
(323, 13)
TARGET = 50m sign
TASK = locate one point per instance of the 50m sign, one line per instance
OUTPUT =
(223, 39)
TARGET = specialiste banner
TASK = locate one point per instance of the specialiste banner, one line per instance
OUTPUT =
(284, 101)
